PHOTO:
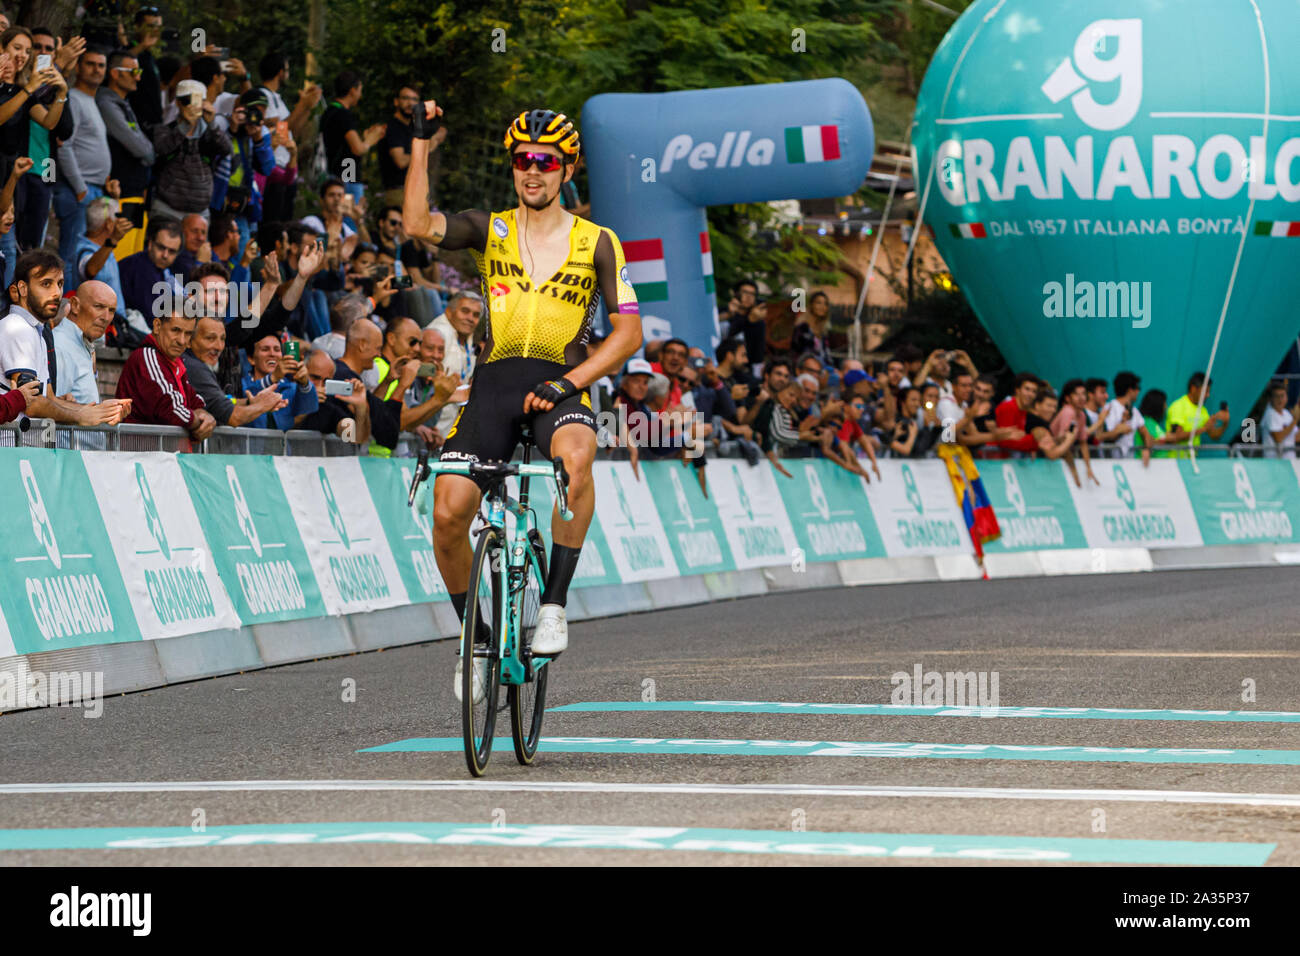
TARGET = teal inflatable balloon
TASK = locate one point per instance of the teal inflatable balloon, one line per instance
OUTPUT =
(1106, 177)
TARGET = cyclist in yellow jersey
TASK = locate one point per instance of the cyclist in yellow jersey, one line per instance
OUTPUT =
(543, 270)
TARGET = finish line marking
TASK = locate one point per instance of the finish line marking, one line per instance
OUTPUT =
(864, 748)
(736, 789)
(892, 845)
(909, 710)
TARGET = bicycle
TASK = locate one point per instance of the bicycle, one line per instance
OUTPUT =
(503, 600)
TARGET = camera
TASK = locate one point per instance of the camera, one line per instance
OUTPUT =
(253, 115)
(25, 377)
(185, 99)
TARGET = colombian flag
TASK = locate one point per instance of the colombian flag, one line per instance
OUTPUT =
(981, 522)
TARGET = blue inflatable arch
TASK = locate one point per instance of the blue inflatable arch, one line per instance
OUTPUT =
(656, 161)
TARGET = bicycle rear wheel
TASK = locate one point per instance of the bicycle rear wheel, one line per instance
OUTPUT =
(528, 700)
(483, 608)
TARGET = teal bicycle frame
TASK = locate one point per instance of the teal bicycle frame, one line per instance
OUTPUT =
(513, 571)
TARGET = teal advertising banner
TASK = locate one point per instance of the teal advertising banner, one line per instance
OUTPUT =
(690, 520)
(252, 537)
(60, 584)
(152, 546)
(410, 534)
(1033, 505)
(596, 563)
(1245, 501)
(829, 511)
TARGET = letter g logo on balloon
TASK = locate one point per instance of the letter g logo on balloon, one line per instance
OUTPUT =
(1125, 66)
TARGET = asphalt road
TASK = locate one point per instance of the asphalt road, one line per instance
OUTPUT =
(1181, 641)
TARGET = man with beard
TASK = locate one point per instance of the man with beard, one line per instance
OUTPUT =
(27, 342)
(395, 147)
(545, 271)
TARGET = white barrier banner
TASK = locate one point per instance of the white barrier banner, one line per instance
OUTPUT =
(159, 545)
(752, 512)
(631, 523)
(1136, 506)
(7, 648)
(916, 510)
(342, 533)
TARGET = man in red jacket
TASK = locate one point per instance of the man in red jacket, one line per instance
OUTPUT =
(1013, 411)
(154, 379)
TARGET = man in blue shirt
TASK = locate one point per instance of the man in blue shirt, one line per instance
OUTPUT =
(290, 378)
(92, 307)
(93, 256)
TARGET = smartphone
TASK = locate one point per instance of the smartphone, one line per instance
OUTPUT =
(43, 61)
(282, 128)
(338, 386)
(428, 370)
(402, 282)
(223, 54)
(134, 212)
(293, 350)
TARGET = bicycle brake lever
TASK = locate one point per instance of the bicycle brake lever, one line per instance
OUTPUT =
(562, 489)
(421, 474)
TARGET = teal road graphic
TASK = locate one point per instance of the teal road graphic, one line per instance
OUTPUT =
(907, 710)
(683, 839)
(865, 748)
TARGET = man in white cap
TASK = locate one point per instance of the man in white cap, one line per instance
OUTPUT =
(187, 149)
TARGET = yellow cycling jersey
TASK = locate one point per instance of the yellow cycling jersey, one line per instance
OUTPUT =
(551, 321)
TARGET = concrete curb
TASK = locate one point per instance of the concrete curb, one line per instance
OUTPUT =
(138, 665)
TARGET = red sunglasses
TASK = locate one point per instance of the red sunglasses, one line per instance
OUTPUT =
(545, 162)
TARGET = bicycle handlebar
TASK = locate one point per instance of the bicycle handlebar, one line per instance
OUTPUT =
(495, 469)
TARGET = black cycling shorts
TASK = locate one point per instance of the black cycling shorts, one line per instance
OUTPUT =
(490, 424)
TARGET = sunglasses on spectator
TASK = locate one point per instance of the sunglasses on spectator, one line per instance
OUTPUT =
(395, 222)
(136, 71)
(545, 162)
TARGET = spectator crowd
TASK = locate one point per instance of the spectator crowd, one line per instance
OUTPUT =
(173, 184)
(755, 399)
(171, 188)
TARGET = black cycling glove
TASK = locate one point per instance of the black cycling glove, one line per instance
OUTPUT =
(423, 127)
(555, 391)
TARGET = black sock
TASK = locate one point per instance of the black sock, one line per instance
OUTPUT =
(458, 602)
(564, 561)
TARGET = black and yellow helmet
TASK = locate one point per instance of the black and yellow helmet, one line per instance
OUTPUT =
(544, 127)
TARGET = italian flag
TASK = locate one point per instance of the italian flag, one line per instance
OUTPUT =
(1277, 228)
(812, 144)
(706, 262)
(968, 230)
(646, 269)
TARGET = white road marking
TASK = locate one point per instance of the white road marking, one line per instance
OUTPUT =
(735, 789)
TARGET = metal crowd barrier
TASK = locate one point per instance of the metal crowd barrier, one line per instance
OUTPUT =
(44, 433)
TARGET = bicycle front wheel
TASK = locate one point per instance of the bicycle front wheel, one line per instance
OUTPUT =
(528, 700)
(483, 615)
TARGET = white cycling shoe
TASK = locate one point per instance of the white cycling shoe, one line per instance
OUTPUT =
(480, 681)
(551, 635)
